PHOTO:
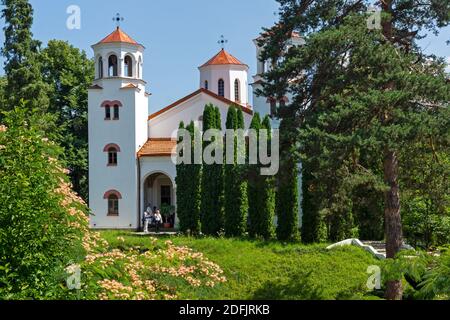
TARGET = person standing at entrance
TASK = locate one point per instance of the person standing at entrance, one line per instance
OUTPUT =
(147, 217)
(158, 220)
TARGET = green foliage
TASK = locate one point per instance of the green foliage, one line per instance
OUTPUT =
(261, 192)
(271, 270)
(69, 73)
(425, 273)
(426, 201)
(211, 207)
(235, 185)
(38, 238)
(3, 83)
(188, 185)
(436, 284)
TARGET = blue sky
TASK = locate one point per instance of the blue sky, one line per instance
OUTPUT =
(179, 35)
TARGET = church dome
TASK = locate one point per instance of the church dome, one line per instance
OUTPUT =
(225, 76)
(223, 58)
(118, 36)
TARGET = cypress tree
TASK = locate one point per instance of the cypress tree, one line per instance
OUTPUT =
(266, 192)
(235, 185)
(253, 195)
(181, 182)
(217, 118)
(193, 174)
(313, 223)
(261, 192)
(188, 186)
(287, 193)
(240, 119)
(211, 181)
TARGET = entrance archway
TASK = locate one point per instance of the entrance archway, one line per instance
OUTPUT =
(159, 192)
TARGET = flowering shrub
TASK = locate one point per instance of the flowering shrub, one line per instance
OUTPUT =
(138, 273)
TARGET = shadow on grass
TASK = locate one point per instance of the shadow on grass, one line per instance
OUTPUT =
(298, 286)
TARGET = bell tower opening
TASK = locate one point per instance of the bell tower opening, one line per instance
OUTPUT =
(128, 66)
(112, 66)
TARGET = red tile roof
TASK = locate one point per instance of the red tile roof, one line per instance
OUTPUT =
(131, 86)
(246, 109)
(118, 36)
(158, 147)
(223, 58)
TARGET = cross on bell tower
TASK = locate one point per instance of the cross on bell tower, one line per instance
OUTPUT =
(222, 41)
(118, 19)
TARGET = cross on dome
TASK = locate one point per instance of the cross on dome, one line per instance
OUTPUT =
(222, 41)
(118, 18)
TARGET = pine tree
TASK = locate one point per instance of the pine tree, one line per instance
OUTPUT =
(211, 181)
(235, 185)
(365, 93)
(22, 66)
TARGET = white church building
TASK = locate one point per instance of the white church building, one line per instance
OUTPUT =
(130, 147)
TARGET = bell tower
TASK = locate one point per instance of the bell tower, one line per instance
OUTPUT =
(118, 112)
(225, 76)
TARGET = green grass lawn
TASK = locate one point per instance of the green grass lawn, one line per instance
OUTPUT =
(271, 270)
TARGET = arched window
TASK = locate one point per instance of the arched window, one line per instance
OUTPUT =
(111, 109)
(221, 85)
(113, 205)
(112, 66)
(128, 66)
(113, 198)
(116, 112)
(100, 67)
(206, 84)
(107, 112)
(112, 150)
(112, 156)
(237, 94)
